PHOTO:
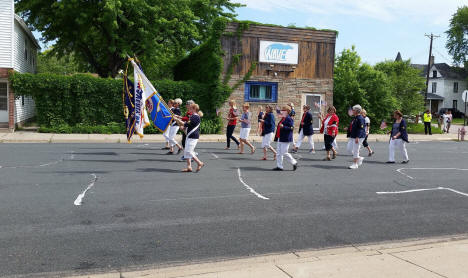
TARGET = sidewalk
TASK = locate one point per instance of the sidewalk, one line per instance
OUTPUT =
(435, 257)
(34, 137)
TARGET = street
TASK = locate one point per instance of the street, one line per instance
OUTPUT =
(88, 207)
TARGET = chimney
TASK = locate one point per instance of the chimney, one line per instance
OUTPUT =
(432, 61)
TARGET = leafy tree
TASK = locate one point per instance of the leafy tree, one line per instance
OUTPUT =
(406, 85)
(48, 62)
(457, 43)
(102, 32)
(357, 83)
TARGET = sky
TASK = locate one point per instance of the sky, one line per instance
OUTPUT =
(378, 28)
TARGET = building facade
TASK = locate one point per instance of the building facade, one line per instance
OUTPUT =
(18, 52)
(446, 86)
(292, 65)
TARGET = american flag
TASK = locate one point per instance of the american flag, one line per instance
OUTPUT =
(383, 125)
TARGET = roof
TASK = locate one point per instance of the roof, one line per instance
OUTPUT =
(432, 96)
(27, 30)
(398, 57)
(445, 70)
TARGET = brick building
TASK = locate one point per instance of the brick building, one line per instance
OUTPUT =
(293, 65)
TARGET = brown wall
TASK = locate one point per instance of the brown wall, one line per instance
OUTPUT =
(312, 75)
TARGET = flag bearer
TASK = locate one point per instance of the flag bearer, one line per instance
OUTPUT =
(193, 134)
(170, 105)
(175, 127)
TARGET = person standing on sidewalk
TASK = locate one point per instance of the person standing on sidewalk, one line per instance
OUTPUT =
(268, 129)
(427, 117)
(285, 129)
(364, 143)
(306, 129)
(245, 129)
(357, 135)
(398, 138)
(232, 122)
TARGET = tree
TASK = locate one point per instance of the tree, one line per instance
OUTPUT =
(357, 83)
(457, 43)
(102, 32)
(406, 85)
(47, 62)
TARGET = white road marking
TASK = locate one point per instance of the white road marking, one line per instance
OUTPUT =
(250, 188)
(214, 155)
(79, 199)
(424, 189)
(72, 156)
(432, 169)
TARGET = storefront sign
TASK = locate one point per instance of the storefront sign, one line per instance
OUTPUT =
(279, 52)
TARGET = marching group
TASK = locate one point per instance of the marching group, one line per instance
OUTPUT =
(282, 133)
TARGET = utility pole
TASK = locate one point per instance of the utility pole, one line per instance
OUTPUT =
(429, 66)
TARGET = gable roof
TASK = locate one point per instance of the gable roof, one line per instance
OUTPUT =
(445, 70)
(27, 30)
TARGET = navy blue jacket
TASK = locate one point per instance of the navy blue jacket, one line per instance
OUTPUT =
(403, 132)
(358, 129)
(307, 127)
(286, 132)
(191, 124)
(268, 124)
(175, 111)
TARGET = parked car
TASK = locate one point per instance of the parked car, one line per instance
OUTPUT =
(455, 112)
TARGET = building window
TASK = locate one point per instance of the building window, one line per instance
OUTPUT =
(3, 96)
(261, 92)
(455, 104)
(25, 50)
(455, 87)
(434, 87)
(434, 74)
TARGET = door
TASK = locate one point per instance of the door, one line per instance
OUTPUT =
(3, 102)
(315, 102)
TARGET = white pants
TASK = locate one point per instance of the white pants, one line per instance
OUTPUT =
(335, 145)
(301, 138)
(282, 150)
(349, 146)
(397, 144)
(356, 146)
(266, 141)
(172, 133)
(189, 151)
(244, 133)
(166, 134)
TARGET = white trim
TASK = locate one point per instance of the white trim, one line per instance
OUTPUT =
(12, 65)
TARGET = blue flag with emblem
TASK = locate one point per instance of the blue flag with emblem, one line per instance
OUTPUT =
(128, 106)
(157, 109)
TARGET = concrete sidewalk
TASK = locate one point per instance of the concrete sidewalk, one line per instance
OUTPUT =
(34, 137)
(435, 257)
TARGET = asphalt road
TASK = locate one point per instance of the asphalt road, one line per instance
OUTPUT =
(141, 210)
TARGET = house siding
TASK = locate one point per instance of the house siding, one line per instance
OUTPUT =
(6, 33)
(20, 63)
(26, 111)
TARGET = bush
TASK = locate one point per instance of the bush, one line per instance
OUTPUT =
(83, 103)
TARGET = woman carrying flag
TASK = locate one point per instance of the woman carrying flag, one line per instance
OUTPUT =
(174, 127)
(193, 134)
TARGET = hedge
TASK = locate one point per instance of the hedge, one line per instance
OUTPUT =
(83, 103)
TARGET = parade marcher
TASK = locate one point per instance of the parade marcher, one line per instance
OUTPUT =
(170, 104)
(186, 118)
(399, 138)
(245, 129)
(357, 135)
(193, 134)
(365, 143)
(268, 128)
(232, 122)
(306, 129)
(444, 122)
(174, 128)
(292, 114)
(427, 118)
(286, 128)
(330, 131)
(349, 146)
(259, 118)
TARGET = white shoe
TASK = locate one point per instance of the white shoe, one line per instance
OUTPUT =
(361, 159)
(312, 151)
(354, 166)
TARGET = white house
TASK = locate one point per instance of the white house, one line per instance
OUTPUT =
(18, 52)
(446, 85)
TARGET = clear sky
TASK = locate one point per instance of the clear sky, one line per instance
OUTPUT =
(378, 28)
